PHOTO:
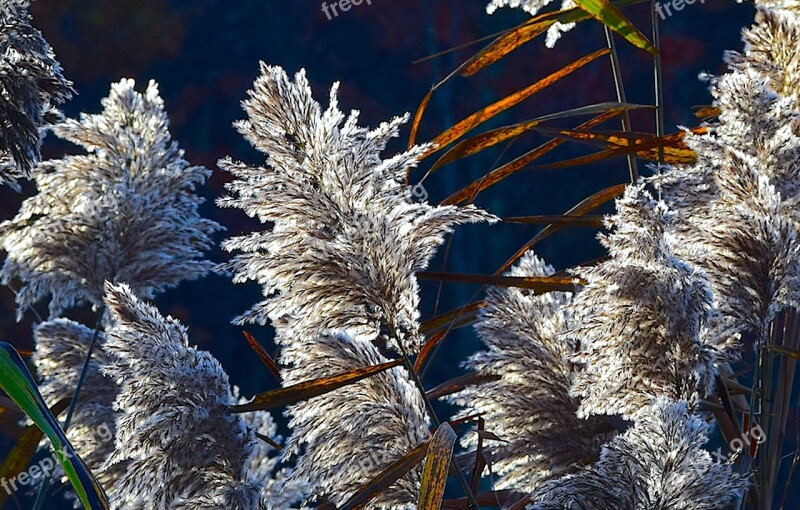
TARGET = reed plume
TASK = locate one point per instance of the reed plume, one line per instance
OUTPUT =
(31, 86)
(528, 406)
(124, 212)
(182, 446)
(658, 464)
(337, 270)
(643, 321)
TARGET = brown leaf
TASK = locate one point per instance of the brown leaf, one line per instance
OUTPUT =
(412, 139)
(507, 102)
(524, 33)
(310, 389)
(458, 384)
(500, 173)
(493, 137)
(437, 468)
(707, 112)
(786, 351)
(431, 344)
(263, 355)
(583, 207)
(569, 220)
(386, 478)
(269, 441)
(466, 313)
(540, 284)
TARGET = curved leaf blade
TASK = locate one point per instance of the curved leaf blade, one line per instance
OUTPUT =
(609, 15)
(539, 284)
(478, 143)
(386, 478)
(437, 468)
(459, 383)
(17, 382)
(525, 33)
(310, 389)
(484, 114)
(498, 174)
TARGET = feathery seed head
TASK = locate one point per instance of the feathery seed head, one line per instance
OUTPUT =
(529, 406)
(127, 211)
(658, 464)
(643, 320)
(347, 237)
(31, 84)
(183, 446)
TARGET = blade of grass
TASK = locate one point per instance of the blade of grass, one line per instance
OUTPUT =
(263, 355)
(24, 449)
(439, 322)
(458, 384)
(517, 164)
(609, 15)
(310, 389)
(386, 478)
(437, 467)
(539, 284)
(19, 385)
(484, 114)
(583, 207)
(595, 221)
(483, 141)
(525, 33)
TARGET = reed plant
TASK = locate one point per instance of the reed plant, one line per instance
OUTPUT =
(598, 387)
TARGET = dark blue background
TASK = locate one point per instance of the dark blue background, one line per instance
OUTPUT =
(205, 53)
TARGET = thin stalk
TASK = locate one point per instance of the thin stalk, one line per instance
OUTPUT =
(766, 408)
(781, 401)
(756, 392)
(619, 86)
(658, 83)
(429, 407)
(28, 307)
(42, 494)
(795, 463)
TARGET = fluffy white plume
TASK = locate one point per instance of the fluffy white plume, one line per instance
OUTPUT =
(124, 212)
(528, 404)
(347, 436)
(642, 321)
(770, 48)
(183, 447)
(31, 84)
(61, 348)
(338, 274)
(738, 205)
(347, 238)
(658, 464)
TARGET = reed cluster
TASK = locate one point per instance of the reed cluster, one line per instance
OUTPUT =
(596, 388)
